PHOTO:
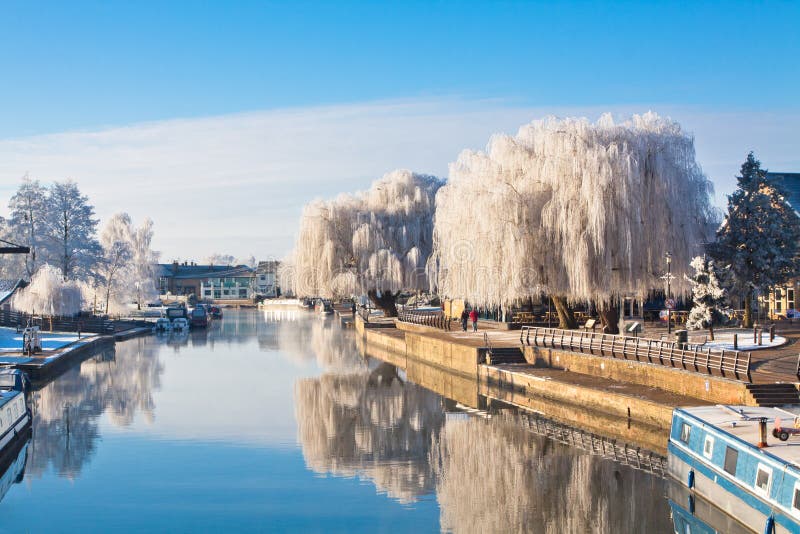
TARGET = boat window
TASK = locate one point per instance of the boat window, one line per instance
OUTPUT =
(796, 497)
(686, 429)
(731, 457)
(763, 478)
(708, 447)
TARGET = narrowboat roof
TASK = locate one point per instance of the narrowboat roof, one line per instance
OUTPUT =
(6, 396)
(742, 423)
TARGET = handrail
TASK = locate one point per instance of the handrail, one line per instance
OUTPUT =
(690, 358)
(433, 319)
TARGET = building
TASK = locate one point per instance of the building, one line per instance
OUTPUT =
(267, 278)
(207, 282)
(781, 299)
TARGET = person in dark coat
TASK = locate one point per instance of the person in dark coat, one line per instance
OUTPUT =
(464, 317)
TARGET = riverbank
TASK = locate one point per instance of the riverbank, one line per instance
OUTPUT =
(623, 392)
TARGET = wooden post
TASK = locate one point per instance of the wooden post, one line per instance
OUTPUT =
(735, 341)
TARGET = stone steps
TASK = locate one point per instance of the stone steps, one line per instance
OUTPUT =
(773, 394)
(505, 355)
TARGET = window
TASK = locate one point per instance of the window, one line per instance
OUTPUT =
(796, 498)
(763, 479)
(225, 292)
(207, 292)
(708, 447)
(243, 293)
(686, 429)
(731, 458)
(790, 298)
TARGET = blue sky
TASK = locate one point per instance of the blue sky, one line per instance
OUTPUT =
(100, 66)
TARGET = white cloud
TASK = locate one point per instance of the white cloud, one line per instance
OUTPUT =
(236, 183)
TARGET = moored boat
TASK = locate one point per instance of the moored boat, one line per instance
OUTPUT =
(727, 456)
(15, 417)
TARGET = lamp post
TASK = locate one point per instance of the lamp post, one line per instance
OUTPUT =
(668, 277)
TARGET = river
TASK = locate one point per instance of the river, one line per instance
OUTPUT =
(273, 421)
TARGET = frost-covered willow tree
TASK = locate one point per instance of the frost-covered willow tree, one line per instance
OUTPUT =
(375, 242)
(583, 212)
(48, 294)
(708, 296)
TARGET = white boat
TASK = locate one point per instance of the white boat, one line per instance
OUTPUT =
(14, 414)
(180, 324)
(162, 325)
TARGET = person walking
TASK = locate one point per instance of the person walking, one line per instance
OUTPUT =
(464, 317)
(473, 316)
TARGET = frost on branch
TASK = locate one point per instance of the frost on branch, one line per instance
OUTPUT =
(707, 294)
(48, 294)
(375, 240)
(584, 211)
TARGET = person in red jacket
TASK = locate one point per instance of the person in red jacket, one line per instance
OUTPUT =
(473, 316)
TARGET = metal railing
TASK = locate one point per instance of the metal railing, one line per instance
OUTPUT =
(689, 357)
(597, 445)
(434, 319)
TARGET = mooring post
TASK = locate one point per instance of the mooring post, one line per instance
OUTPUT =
(735, 341)
(760, 336)
(771, 333)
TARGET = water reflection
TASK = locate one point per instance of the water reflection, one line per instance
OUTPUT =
(119, 381)
(494, 476)
(259, 390)
(370, 425)
(12, 463)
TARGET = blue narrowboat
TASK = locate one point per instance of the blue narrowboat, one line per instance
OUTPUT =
(727, 456)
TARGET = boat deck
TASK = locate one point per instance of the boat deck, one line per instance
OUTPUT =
(742, 422)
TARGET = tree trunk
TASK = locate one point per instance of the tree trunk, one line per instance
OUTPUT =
(566, 319)
(386, 302)
(609, 317)
(748, 309)
(711, 331)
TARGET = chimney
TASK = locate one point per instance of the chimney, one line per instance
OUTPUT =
(174, 267)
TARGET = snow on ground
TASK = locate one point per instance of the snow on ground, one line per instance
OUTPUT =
(724, 339)
(10, 341)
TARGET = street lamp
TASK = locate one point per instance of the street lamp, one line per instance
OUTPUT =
(668, 277)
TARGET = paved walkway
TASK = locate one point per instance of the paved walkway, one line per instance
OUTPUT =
(769, 365)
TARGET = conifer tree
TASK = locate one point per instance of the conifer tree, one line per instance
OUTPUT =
(758, 240)
(708, 296)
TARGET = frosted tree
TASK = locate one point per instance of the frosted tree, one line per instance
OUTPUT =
(375, 242)
(249, 261)
(583, 212)
(115, 262)
(220, 259)
(143, 262)
(69, 231)
(708, 296)
(759, 238)
(28, 211)
(48, 294)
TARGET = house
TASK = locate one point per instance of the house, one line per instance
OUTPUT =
(781, 299)
(267, 278)
(207, 282)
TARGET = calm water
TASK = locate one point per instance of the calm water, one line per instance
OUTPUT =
(274, 422)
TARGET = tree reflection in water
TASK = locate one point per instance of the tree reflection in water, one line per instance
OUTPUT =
(119, 381)
(494, 476)
(372, 426)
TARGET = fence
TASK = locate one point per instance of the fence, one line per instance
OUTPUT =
(598, 445)
(61, 324)
(434, 319)
(641, 349)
